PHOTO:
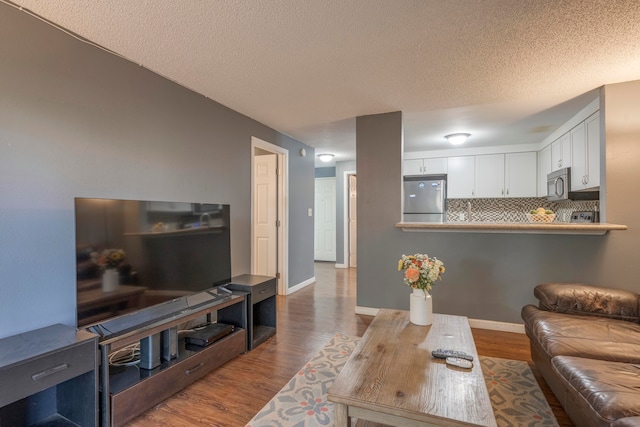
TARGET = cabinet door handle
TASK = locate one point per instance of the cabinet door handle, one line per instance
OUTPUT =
(262, 291)
(507, 191)
(559, 163)
(190, 371)
(50, 371)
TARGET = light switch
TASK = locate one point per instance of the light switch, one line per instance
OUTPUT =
(310, 211)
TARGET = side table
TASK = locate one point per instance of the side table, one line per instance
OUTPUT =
(261, 306)
(49, 377)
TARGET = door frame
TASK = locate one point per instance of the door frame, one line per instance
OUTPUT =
(345, 229)
(283, 209)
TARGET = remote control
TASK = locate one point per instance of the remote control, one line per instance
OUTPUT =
(443, 354)
(461, 363)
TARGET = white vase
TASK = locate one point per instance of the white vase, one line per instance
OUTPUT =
(420, 307)
(110, 280)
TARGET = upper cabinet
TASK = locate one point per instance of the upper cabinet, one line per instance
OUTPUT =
(544, 167)
(460, 177)
(492, 175)
(489, 176)
(520, 174)
(425, 166)
(585, 152)
(561, 152)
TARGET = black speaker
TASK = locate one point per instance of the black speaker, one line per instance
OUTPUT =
(150, 352)
(169, 339)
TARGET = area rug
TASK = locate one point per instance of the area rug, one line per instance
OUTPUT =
(515, 395)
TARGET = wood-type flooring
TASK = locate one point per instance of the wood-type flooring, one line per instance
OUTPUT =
(232, 394)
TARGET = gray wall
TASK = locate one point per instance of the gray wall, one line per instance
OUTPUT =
(491, 276)
(76, 121)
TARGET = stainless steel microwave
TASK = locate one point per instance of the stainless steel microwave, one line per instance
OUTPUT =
(558, 184)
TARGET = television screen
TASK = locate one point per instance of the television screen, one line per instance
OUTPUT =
(133, 255)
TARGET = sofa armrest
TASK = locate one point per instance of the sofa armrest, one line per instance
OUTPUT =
(627, 422)
(577, 298)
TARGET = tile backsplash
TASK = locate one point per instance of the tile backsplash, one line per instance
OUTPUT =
(513, 209)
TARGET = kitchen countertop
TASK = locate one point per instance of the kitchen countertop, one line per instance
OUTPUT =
(512, 227)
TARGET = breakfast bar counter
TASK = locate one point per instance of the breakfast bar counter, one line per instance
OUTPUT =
(512, 227)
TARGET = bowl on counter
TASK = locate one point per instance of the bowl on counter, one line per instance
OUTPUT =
(541, 218)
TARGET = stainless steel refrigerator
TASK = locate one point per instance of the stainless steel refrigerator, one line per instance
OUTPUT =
(425, 198)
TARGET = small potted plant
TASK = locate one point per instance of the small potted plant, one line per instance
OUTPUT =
(108, 260)
(420, 273)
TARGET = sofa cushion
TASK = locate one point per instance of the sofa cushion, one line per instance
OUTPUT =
(583, 336)
(627, 422)
(609, 388)
(577, 298)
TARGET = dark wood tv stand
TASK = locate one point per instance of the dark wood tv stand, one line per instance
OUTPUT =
(127, 392)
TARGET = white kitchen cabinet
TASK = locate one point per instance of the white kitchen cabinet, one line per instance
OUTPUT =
(520, 174)
(592, 125)
(585, 152)
(460, 177)
(425, 166)
(506, 175)
(544, 167)
(169, 207)
(489, 175)
(561, 152)
(579, 160)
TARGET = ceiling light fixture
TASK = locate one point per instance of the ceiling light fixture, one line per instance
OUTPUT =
(325, 157)
(457, 138)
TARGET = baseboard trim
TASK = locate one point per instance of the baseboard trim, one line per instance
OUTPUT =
(301, 285)
(491, 325)
(367, 311)
(341, 266)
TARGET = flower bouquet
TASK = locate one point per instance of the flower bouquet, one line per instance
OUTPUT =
(109, 258)
(420, 271)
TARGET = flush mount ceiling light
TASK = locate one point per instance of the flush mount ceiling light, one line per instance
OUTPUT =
(457, 138)
(325, 157)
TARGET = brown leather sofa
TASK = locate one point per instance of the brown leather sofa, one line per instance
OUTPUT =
(586, 342)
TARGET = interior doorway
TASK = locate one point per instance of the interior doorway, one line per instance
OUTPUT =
(350, 217)
(353, 226)
(269, 211)
(325, 219)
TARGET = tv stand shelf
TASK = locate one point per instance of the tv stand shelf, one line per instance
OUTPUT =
(127, 392)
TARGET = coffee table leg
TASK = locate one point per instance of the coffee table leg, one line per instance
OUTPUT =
(341, 416)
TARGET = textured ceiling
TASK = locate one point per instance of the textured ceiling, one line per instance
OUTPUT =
(506, 71)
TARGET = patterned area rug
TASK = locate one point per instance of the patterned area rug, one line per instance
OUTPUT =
(515, 395)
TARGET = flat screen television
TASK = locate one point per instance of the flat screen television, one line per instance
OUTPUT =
(166, 257)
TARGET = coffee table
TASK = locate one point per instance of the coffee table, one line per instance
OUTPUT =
(391, 377)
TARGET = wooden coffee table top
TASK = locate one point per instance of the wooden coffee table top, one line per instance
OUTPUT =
(392, 378)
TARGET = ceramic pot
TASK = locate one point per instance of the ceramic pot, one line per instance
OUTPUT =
(420, 307)
(110, 280)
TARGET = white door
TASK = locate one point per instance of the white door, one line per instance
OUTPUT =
(352, 222)
(325, 219)
(265, 215)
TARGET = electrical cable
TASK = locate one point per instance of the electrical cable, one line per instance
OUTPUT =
(126, 356)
